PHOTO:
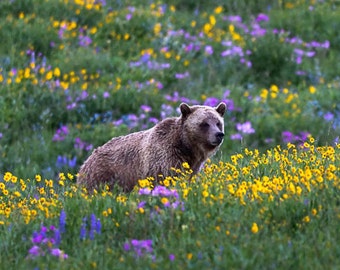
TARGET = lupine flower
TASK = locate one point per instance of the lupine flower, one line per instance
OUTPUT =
(83, 229)
(57, 236)
(65, 161)
(46, 241)
(62, 221)
(95, 227)
(98, 226)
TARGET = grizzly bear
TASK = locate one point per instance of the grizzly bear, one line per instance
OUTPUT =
(192, 137)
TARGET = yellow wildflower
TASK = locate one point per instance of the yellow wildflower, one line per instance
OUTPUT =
(254, 228)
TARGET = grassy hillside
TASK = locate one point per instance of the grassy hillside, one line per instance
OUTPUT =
(75, 73)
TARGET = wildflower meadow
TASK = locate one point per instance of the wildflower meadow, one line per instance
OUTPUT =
(75, 73)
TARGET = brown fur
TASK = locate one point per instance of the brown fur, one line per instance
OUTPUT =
(193, 138)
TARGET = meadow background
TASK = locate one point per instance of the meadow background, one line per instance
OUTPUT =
(73, 74)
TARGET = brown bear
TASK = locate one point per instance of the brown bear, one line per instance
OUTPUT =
(192, 137)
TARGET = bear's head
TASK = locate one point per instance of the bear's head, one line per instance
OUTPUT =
(203, 125)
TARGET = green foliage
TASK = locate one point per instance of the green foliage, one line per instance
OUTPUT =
(74, 74)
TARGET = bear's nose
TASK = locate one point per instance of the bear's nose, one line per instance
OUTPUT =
(220, 135)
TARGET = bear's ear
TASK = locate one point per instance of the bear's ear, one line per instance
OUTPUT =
(185, 109)
(221, 108)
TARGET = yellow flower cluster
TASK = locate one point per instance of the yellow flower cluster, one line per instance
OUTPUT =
(43, 75)
(212, 29)
(277, 175)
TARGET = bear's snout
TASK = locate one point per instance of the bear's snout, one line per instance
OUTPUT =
(219, 137)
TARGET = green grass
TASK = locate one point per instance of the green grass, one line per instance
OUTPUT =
(72, 76)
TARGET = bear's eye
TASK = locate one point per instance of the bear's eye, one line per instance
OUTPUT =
(204, 125)
(219, 125)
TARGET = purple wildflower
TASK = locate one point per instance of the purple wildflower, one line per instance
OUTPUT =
(211, 101)
(153, 120)
(304, 135)
(93, 225)
(45, 242)
(172, 257)
(310, 54)
(141, 204)
(126, 246)
(235, 18)
(298, 60)
(145, 58)
(118, 122)
(226, 53)
(300, 73)
(65, 161)
(58, 253)
(287, 136)
(144, 191)
(37, 238)
(299, 52)
(328, 116)
(61, 134)
(71, 106)
(98, 226)
(262, 18)
(146, 108)
(258, 31)
(35, 251)
(236, 136)
(83, 230)
(57, 236)
(209, 50)
(79, 144)
(106, 94)
(245, 128)
(62, 221)
(128, 16)
(159, 85)
(84, 41)
(142, 247)
(180, 76)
